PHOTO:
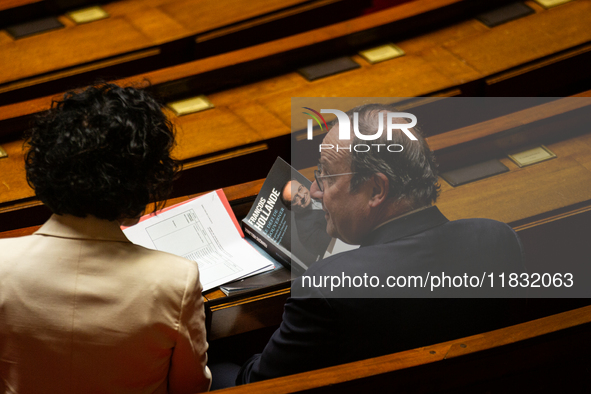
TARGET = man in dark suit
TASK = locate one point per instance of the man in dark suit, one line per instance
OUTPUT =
(309, 217)
(415, 279)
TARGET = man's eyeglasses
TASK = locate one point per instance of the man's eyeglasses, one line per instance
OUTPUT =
(319, 178)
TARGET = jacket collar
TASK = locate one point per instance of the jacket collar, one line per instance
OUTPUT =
(403, 226)
(68, 226)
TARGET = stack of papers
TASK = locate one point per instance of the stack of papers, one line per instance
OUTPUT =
(206, 231)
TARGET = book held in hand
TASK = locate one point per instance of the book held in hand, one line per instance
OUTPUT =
(286, 221)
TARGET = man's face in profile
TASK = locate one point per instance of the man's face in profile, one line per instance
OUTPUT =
(346, 213)
(298, 194)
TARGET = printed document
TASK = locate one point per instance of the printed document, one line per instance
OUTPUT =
(204, 230)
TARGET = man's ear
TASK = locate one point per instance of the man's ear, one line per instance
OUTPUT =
(315, 191)
(380, 187)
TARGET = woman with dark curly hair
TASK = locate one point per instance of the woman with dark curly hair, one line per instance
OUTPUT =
(83, 310)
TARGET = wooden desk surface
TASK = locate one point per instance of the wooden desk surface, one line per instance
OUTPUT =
(303, 40)
(247, 123)
(7, 4)
(440, 62)
(139, 25)
(526, 39)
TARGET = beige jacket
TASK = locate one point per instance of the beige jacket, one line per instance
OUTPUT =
(83, 310)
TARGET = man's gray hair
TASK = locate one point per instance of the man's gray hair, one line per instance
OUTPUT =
(412, 173)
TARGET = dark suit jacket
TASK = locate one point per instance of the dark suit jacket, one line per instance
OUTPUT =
(322, 327)
(311, 226)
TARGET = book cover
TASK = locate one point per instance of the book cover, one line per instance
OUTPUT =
(285, 221)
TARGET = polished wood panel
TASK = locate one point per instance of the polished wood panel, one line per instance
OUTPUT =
(230, 317)
(174, 20)
(180, 31)
(427, 69)
(517, 119)
(276, 56)
(454, 148)
(262, 110)
(61, 48)
(207, 15)
(13, 183)
(237, 121)
(7, 4)
(526, 39)
(534, 356)
(14, 12)
(546, 186)
(442, 51)
(248, 118)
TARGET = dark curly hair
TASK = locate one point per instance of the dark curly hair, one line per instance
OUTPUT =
(103, 151)
(412, 173)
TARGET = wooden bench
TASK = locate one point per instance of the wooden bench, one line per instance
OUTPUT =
(257, 135)
(549, 203)
(286, 54)
(547, 236)
(13, 12)
(428, 69)
(151, 35)
(260, 127)
(10, 4)
(454, 148)
(257, 116)
(544, 355)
